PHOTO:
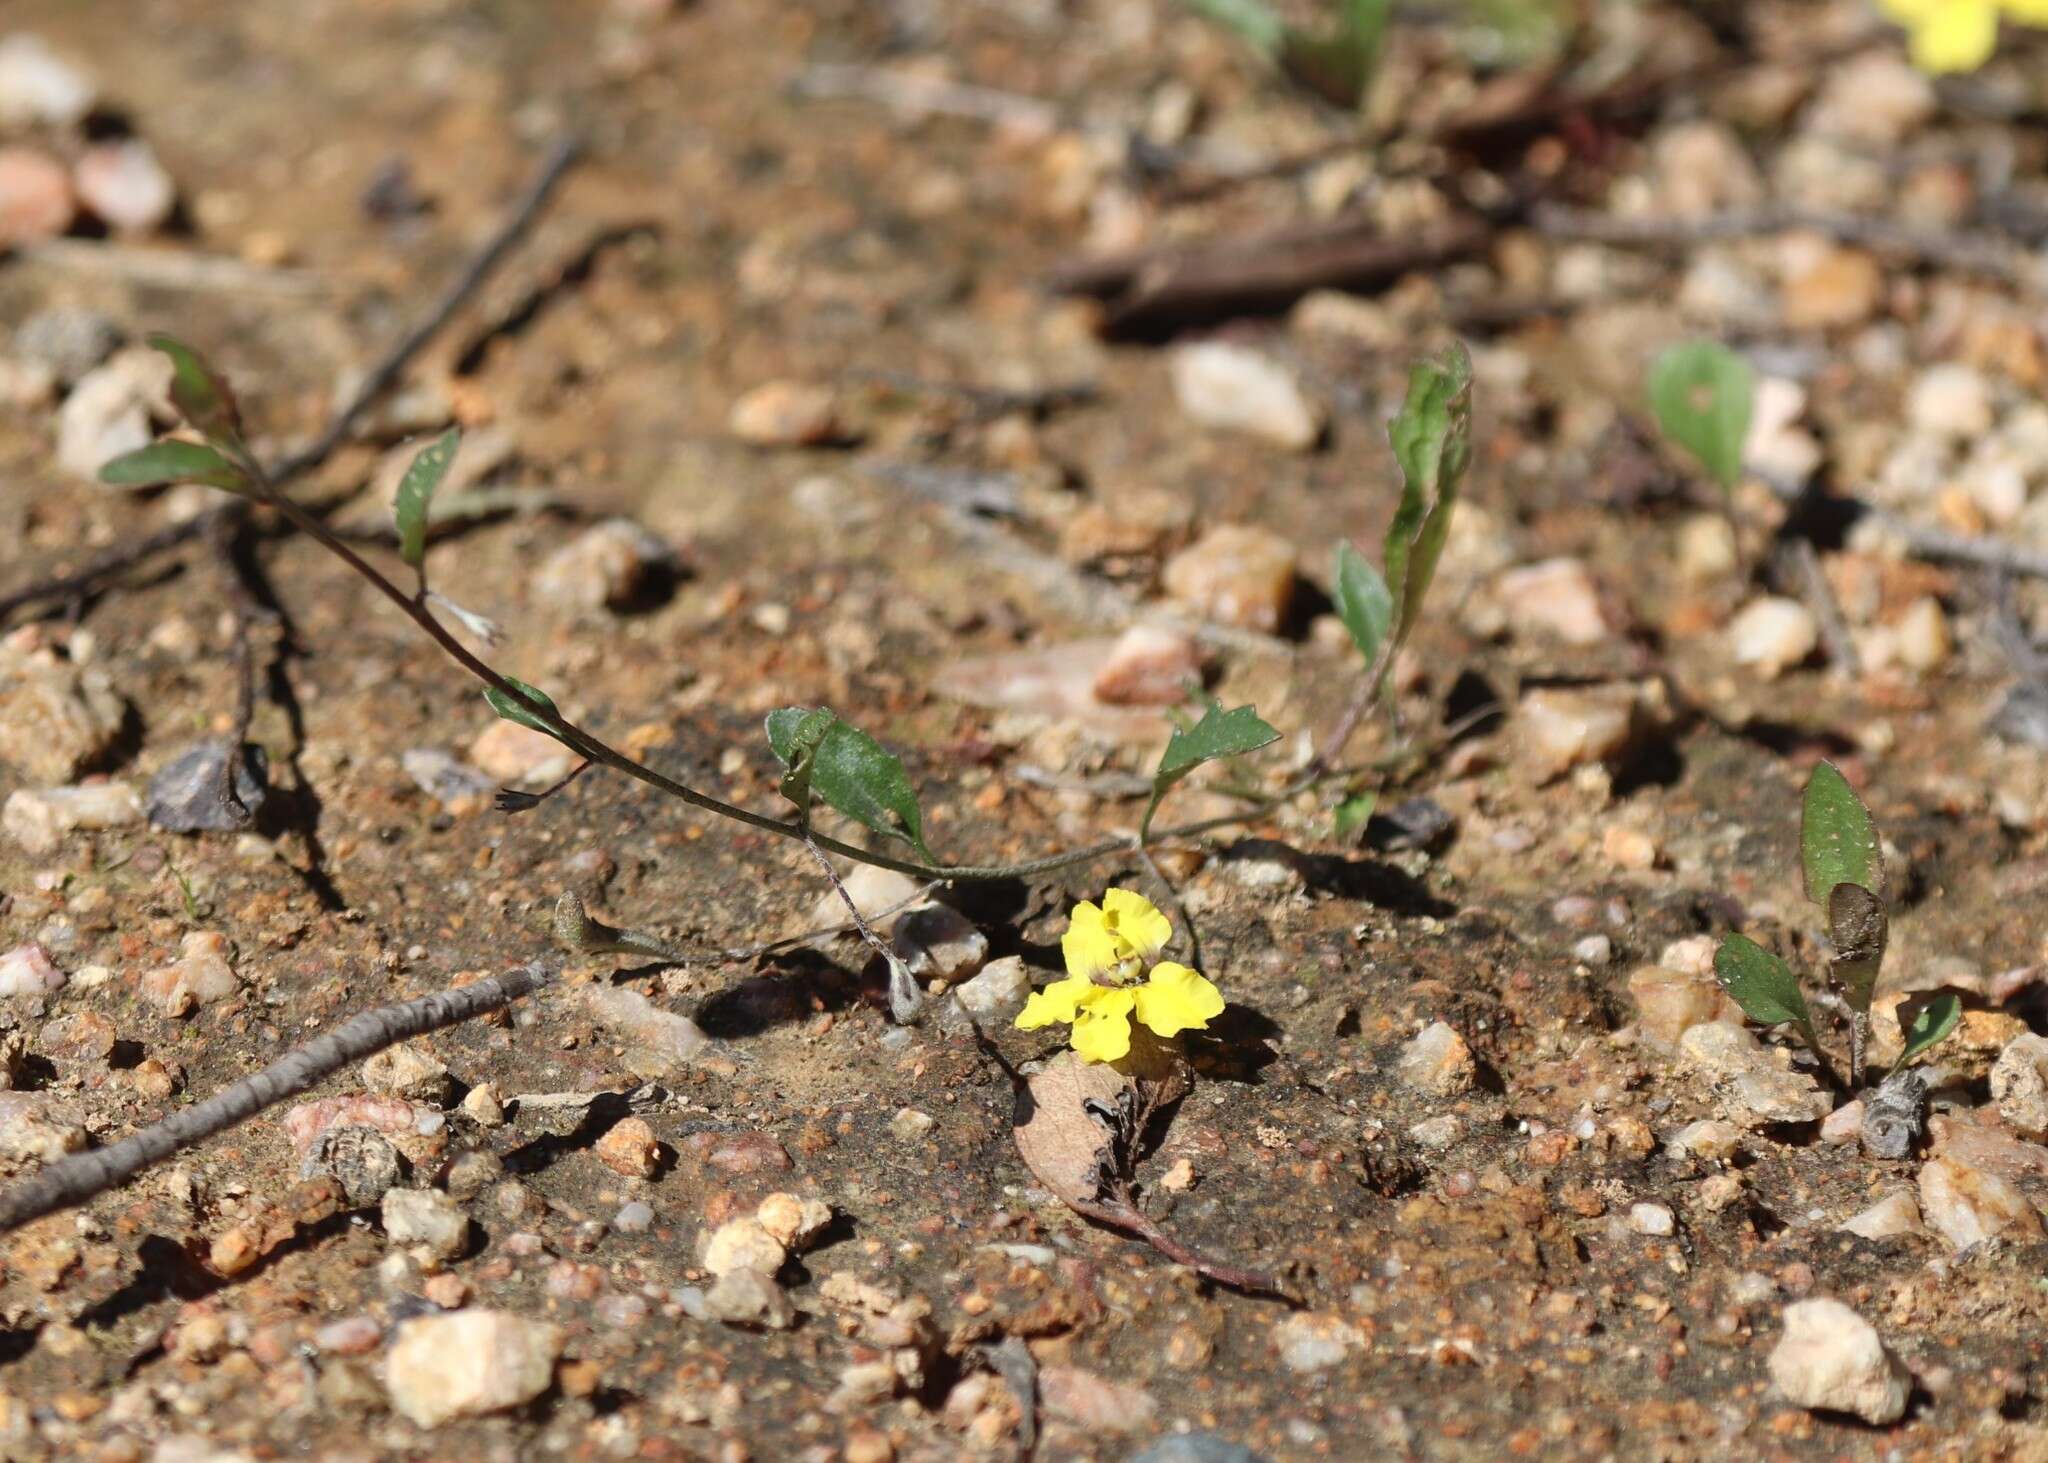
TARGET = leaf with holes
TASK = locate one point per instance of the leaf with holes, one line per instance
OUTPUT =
(1432, 440)
(1702, 394)
(416, 494)
(1218, 734)
(1364, 603)
(512, 710)
(1934, 1020)
(855, 774)
(200, 394)
(173, 461)
(1838, 842)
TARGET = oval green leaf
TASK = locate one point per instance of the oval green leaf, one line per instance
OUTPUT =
(512, 710)
(200, 394)
(1934, 1020)
(416, 494)
(1759, 982)
(1364, 603)
(1838, 842)
(853, 773)
(173, 461)
(1702, 394)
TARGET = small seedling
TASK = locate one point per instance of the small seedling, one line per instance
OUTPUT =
(1336, 65)
(1703, 394)
(1843, 864)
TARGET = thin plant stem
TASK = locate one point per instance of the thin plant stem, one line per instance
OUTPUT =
(905, 999)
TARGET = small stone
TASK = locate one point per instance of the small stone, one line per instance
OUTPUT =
(1651, 1219)
(1093, 1403)
(743, 1244)
(1594, 950)
(362, 1160)
(939, 943)
(350, 1336)
(426, 1217)
(405, 1123)
(633, 1218)
(910, 1124)
(185, 796)
(31, 1131)
(66, 339)
(1235, 574)
(56, 718)
(659, 1043)
(1128, 534)
(483, 1105)
(1708, 1138)
(468, 1364)
(1438, 1133)
(1773, 634)
(2019, 1085)
(1701, 167)
(124, 184)
(1437, 1061)
(1966, 1205)
(1833, 288)
(39, 819)
(1951, 400)
(1669, 1001)
(1844, 1124)
(39, 89)
(200, 976)
(785, 414)
(110, 409)
(793, 1221)
(1196, 1447)
(1921, 636)
(616, 565)
(407, 1070)
(443, 776)
(997, 993)
(35, 197)
(1755, 1089)
(1875, 98)
(1150, 665)
(1890, 1217)
(1706, 549)
(1232, 389)
(1777, 446)
(26, 971)
(1629, 848)
(1556, 731)
(749, 1298)
(1314, 1341)
(1557, 598)
(510, 752)
(881, 895)
(1831, 1358)
(629, 1147)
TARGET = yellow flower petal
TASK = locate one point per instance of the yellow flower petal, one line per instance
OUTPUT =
(2028, 12)
(1089, 944)
(1102, 1029)
(1959, 35)
(1136, 920)
(1177, 999)
(1059, 1002)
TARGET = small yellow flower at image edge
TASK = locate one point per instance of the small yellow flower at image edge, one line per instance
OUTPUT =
(1114, 973)
(1958, 35)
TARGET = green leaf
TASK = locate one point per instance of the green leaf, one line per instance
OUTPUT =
(1219, 733)
(802, 755)
(1934, 1020)
(1432, 439)
(1702, 393)
(1759, 982)
(1364, 603)
(416, 494)
(511, 710)
(173, 461)
(1353, 814)
(1838, 842)
(854, 773)
(1338, 67)
(1251, 19)
(200, 394)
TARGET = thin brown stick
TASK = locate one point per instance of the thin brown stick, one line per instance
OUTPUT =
(83, 1176)
(1935, 543)
(242, 605)
(905, 999)
(1820, 598)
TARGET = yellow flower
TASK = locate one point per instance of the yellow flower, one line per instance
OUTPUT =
(1958, 35)
(1106, 949)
